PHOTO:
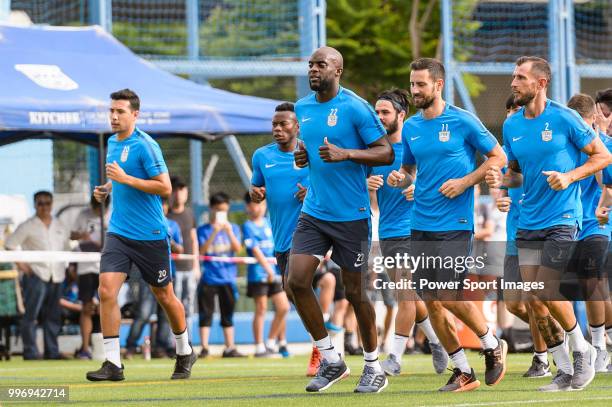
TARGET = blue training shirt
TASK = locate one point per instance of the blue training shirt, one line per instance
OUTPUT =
(137, 215)
(395, 210)
(516, 197)
(338, 191)
(258, 236)
(590, 194)
(174, 233)
(550, 142)
(444, 148)
(276, 170)
(217, 272)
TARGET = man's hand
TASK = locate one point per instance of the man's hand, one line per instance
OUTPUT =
(602, 213)
(395, 178)
(503, 204)
(301, 193)
(24, 268)
(494, 177)
(300, 155)
(116, 173)
(453, 188)
(558, 181)
(101, 192)
(375, 182)
(409, 192)
(258, 194)
(330, 153)
(271, 276)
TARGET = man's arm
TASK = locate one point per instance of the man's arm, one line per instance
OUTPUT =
(195, 250)
(452, 188)
(157, 185)
(599, 158)
(379, 152)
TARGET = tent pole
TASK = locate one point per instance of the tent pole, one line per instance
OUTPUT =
(102, 169)
(240, 162)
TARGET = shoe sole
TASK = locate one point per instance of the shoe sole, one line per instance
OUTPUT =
(504, 346)
(547, 374)
(346, 373)
(594, 353)
(98, 379)
(555, 390)
(468, 387)
(389, 373)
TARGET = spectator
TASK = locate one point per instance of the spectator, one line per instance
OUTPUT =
(264, 281)
(218, 238)
(41, 281)
(88, 231)
(187, 271)
(603, 109)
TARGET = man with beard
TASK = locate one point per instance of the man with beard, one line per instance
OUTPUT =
(395, 212)
(284, 185)
(440, 142)
(341, 136)
(543, 141)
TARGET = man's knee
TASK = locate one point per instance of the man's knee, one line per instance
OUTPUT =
(298, 283)
(107, 293)
(516, 307)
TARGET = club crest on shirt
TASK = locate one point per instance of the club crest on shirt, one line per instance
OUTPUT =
(444, 134)
(546, 134)
(124, 153)
(332, 119)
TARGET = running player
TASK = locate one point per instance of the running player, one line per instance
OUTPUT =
(341, 134)
(137, 234)
(283, 184)
(395, 212)
(592, 248)
(440, 142)
(514, 300)
(543, 141)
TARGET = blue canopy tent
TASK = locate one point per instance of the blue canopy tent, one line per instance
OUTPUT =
(56, 82)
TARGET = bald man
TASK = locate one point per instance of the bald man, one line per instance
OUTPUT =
(341, 136)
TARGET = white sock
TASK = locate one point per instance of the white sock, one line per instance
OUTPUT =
(488, 340)
(562, 359)
(271, 344)
(542, 356)
(425, 325)
(460, 361)
(609, 332)
(576, 340)
(598, 336)
(399, 346)
(326, 316)
(112, 350)
(327, 350)
(282, 342)
(182, 343)
(260, 348)
(371, 359)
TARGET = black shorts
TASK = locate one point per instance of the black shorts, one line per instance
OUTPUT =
(88, 286)
(267, 289)
(206, 304)
(393, 247)
(151, 257)
(350, 241)
(589, 256)
(550, 247)
(512, 272)
(282, 261)
(443, 260)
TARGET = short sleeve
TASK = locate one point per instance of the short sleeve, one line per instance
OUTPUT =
(507, 148)
(367, 122)
(579, 132)
(257, 178)
(249, 236)
(478, 135)
(407, 157)
(203, 234)
(152, 159)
